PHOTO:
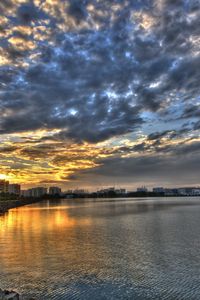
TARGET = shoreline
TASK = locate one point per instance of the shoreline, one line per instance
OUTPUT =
(5, 205)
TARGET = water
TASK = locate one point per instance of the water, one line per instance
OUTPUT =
(85, 249)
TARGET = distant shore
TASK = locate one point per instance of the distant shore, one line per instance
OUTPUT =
(6, 204)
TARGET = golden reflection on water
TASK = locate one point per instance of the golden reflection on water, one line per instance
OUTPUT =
(31, 218)
(44, 237)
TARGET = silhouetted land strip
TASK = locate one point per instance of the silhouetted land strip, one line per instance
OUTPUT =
(6, 204)
(115, 195)
(12, 201)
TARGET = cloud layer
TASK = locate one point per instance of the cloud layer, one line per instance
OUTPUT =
(97, 73)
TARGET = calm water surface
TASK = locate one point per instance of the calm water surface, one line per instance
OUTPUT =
(85, 249)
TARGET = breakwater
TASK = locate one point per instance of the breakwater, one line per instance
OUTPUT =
(5, 205)
(11, 295)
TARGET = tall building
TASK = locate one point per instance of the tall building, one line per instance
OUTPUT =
(54, 190)
(38, 192)
(34, 192)
(4, 186)
(14, 189)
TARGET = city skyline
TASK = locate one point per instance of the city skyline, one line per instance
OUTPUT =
(100, 93)
(7, 187)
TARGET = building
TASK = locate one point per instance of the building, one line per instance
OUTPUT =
(107, 190)
(54, 190)
(158, 190)
(25, 193)
(68, 192)
(38, 192)
(182, 192)
(79, 192)
(142, 189)
(34, 192)
(196, 192)
(4, 186)
(171, 192)
(189, 191)
(120, 191)
(14, 189)
(111, 192)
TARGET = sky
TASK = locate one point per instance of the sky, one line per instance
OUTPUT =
(97, 93)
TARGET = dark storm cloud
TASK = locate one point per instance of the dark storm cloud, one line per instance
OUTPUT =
(93, 81)
(169, 134)
(197, 125)
(28, 12)
(158, 135)
(77, 9)
(157, 169)
(191, 111)
(8, 149)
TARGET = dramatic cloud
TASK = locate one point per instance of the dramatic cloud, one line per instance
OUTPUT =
(118, 78)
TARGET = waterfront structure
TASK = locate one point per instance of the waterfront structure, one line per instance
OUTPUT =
(36, 192)
(14, 189)
(54, 190)
(107, 190)
(182, 192)
(120, 191)
(79, 192)
(158, 190)
(4, 184)
(111, 191)
(24, 193)
(142, 189)
(196, 192)
(189, 191)
(68, 193)
(171, 192)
